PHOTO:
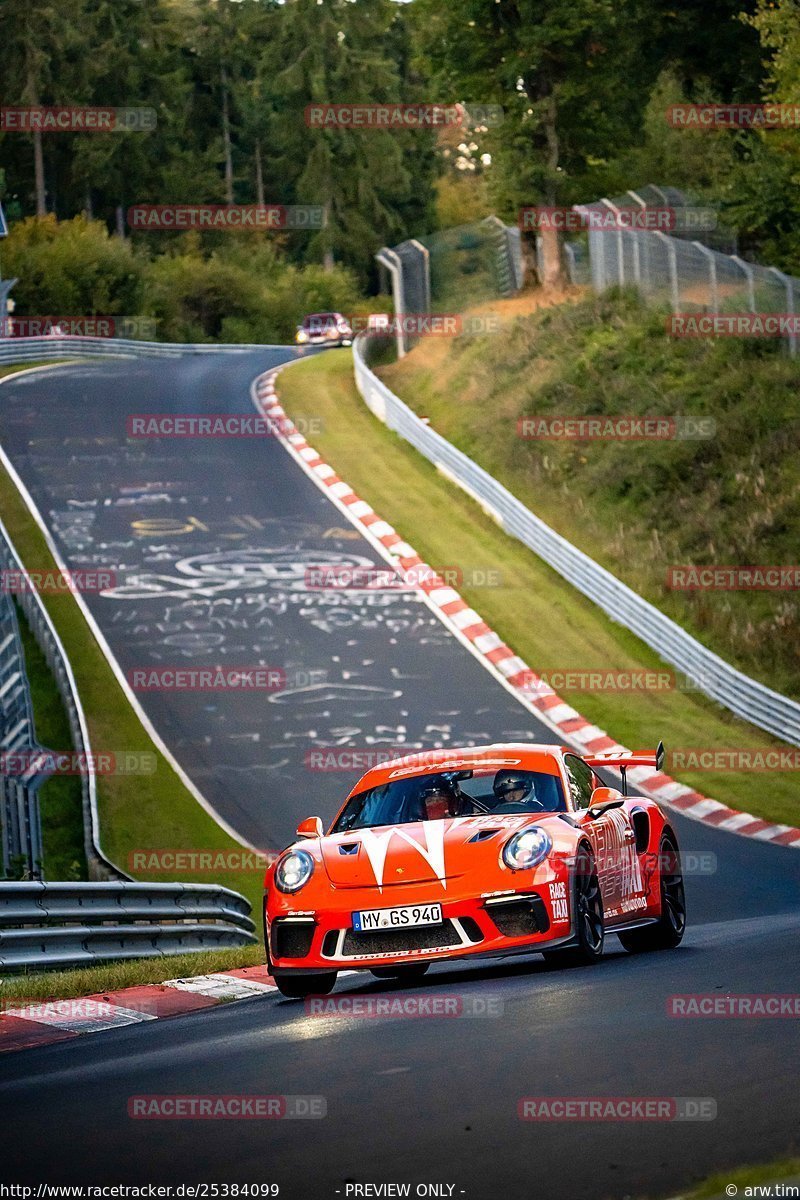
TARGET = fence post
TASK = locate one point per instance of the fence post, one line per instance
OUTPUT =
(788, 283)
(395, 269)
(637, 241)
(675, 293)
(426, 271)
(620, 247)
(712, 274)
(750, 277)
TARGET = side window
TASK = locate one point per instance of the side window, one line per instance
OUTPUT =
(580, 780)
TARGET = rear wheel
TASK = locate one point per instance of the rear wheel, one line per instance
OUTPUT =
(297, 986)
(589, 924)
(410, 972)
(668, 931)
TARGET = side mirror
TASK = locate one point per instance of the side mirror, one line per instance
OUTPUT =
(310, 828)
(602, 801)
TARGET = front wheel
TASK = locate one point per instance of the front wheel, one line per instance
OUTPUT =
(589, 923)
(411, 972)
(668, 931)
(298, 987)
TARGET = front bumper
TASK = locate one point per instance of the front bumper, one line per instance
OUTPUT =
(524, 920)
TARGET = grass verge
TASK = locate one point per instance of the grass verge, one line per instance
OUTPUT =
(744, 1178)
(137, 812)
(88, 981)
(727, 497)
(539, 615)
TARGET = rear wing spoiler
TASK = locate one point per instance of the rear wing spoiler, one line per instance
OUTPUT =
(621, 760)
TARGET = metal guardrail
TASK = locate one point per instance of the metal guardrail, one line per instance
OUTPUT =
(79, 924)
(753, 701)
(20, 822)
(35, 349)
(43, 630)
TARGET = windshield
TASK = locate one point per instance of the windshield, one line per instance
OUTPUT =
(453, 794)
(320, 320)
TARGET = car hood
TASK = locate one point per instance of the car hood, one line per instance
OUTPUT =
(419, 852)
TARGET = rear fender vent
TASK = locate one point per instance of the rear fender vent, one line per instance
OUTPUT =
(348, 848)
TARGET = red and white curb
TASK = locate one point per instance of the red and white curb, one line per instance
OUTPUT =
(42, 1022)
(488, 646)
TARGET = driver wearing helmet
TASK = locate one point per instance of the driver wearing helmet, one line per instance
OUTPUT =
(440, 799)
(512, 788)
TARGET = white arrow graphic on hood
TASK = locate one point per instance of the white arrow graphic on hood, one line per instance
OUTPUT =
(377, 846)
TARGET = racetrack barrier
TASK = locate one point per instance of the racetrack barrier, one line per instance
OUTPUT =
(80, 924)
(746, 697)
(44, 632)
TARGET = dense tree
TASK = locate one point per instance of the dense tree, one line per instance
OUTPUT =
(334, 52)
(41, 44)
(563, 72)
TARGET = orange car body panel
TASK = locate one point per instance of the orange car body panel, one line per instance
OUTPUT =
(457, 863)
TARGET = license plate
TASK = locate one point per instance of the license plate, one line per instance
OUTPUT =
(397, 918)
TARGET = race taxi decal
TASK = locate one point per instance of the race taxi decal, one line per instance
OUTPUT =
(558, 901)
(617, 859)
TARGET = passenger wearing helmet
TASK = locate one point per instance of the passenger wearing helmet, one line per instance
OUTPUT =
(513, 791)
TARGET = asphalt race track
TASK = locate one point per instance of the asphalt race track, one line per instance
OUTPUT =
(210, 542)
(448, 1087)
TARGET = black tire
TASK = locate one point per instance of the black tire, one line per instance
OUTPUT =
(411, 972)
(668, 932)
(589, 922)
(298, 987)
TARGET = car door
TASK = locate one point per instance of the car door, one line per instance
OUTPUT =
(614, 844)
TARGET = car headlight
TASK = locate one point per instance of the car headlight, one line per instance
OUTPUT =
(526, 849)
(293, 871)
(301, 336)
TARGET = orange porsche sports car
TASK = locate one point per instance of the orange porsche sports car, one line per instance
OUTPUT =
(495, 850)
